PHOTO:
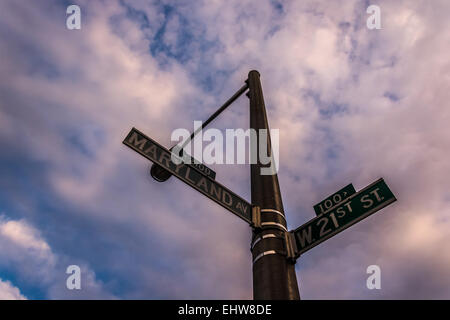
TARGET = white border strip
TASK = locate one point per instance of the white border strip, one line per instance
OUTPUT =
(274, 211)
(279, 225)
(265, 253)
(269, 235)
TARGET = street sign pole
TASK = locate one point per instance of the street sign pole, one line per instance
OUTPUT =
(274, 275)
(274, 249)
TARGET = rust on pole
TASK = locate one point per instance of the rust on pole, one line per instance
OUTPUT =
(274, 275)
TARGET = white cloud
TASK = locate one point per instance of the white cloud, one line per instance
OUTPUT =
(22, 235)
(22, 245)
(27, 254)
(9, 292)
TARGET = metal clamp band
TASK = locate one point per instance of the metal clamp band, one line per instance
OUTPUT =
(290, 246)
(265, 253)
(274, 211)
(278, 225)
(269, 235)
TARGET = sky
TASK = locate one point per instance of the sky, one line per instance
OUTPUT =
(352, 105)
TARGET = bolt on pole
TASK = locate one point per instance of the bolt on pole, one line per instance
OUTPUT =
(274, 275)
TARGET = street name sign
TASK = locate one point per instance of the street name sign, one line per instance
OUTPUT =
(334, 199)
(161, 175)
(343, 215)
(161, 156)
(199, 166)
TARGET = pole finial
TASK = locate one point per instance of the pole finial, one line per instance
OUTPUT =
(256, 71)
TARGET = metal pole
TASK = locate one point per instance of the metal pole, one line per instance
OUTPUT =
(273, 275)
(158, 172)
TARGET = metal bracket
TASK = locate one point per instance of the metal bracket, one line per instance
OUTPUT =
(290, 246)
(256, 217)
(289, 241)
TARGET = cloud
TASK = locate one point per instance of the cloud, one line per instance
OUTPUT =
(22, 235)
(9, 292)
(352, 105)
(24, 248)
(25, 253)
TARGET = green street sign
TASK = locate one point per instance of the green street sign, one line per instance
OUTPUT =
(189, 174)
(334, 199)
(343, 215)
(199, 166)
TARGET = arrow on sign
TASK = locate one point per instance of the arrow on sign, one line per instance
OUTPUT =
(343, 215)
(156, 153)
